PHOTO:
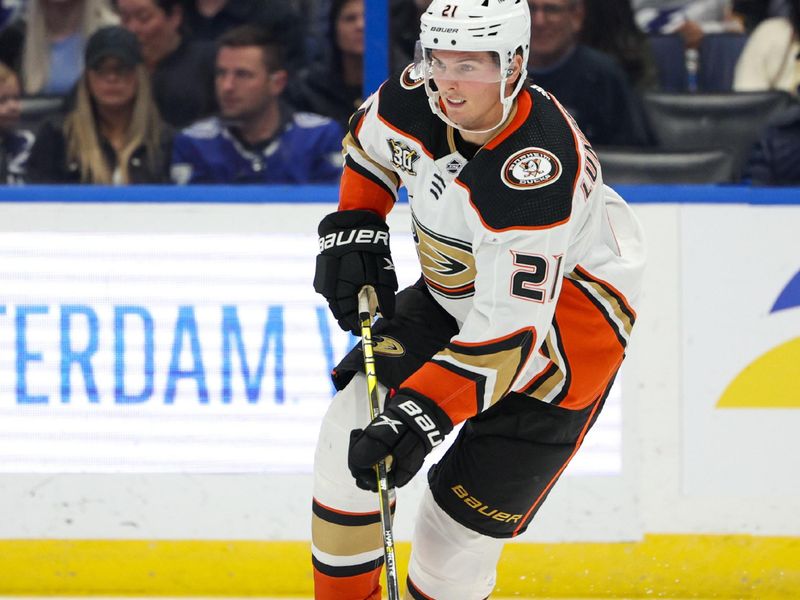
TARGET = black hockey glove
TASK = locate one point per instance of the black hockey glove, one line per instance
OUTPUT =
(409, 427)
(354, 252)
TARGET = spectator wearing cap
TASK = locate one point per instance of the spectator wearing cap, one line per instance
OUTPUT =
(15, 144)
(113, 134)
(256, 138)
(182, 70)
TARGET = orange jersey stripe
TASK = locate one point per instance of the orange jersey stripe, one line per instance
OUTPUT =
(524, 105)
(364, 586)
(579, 170)
(358, 192)
(456, 395)
(590, 345)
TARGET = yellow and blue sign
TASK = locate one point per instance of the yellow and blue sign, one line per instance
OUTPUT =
(770, 381)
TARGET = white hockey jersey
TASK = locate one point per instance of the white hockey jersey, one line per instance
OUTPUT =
(539, 262)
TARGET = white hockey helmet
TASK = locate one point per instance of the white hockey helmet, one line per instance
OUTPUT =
(499, 26)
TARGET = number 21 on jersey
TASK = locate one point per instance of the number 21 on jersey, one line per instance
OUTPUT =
(530, 282)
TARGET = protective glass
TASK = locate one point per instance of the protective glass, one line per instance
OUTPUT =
(474, 67)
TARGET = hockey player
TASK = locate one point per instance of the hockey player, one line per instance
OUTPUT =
(531, 269)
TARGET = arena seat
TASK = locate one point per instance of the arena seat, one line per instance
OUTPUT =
(730, 121)
(36, 109)
(669, 53)
(719, 53)
(654, 166)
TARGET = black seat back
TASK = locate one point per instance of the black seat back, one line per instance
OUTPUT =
(712, 121)
(653, 166)
(36, 109)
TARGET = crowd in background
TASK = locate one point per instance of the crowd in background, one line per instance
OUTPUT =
(260, 91)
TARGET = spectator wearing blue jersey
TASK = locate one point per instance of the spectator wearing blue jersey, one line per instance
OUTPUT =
(256, 138)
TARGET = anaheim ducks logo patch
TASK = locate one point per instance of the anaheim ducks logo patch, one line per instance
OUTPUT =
(388, 346)
(531, 168)
(411, 77)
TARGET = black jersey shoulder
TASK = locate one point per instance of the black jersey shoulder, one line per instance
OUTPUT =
(527, 180)
(403, 104)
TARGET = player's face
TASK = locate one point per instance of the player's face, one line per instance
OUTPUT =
(350, 28)
(112, 84)
(245, 88)
(469, 88)
(156, 30)
(10, 109)
(554, 28)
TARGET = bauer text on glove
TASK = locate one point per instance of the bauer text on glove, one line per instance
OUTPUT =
(354, 252)
(409, 427)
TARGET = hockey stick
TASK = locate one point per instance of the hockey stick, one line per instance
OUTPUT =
(365, 310)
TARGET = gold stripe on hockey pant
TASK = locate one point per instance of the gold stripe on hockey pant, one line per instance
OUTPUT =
(345, 534)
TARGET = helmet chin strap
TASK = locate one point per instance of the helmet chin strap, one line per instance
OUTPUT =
(507, 102)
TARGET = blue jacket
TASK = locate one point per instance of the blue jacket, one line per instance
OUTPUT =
(306, 149)
(774, 160)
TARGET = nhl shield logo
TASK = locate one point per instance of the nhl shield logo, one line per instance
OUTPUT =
(531, 168)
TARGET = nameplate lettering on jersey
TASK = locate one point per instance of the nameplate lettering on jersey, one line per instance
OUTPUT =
(531, 168)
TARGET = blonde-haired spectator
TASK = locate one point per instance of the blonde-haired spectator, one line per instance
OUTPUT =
(114, 134)
(47, 46)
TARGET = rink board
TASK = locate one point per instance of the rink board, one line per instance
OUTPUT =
(720, 508)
